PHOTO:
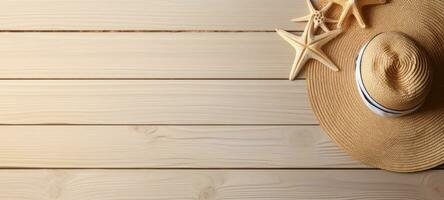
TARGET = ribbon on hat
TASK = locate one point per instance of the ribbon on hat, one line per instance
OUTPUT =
(368, 100)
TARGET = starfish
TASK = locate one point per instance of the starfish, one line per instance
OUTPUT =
(353, 7)
(308, 46)
(318, 16)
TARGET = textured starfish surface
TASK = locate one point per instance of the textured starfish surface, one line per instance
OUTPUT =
(308, 46)
(318, 16)
(353, 7)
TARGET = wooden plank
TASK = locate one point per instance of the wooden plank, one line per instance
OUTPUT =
(170, 146)
(154, 102)
(150, 14)
(220, 184)
(144, 55)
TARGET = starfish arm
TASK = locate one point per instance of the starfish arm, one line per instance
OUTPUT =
(294, 40)
(309, 32)
(316, 26)
(340, 2)
(302, 19)
(299, 62)
(326, 7)
(320, 56)
(345, 13)
(374, 2)
(310, 6)
(324, 28)
(324, 38)
(358, 15)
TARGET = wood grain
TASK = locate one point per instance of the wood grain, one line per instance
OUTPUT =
(169, 146)
(144, 55)
(220, 184)
(150, 14)
(176, 138)
(154, 102)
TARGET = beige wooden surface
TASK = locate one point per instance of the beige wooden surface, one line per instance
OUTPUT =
(204, 15)
(219, 184)
(168, 99)
(145, 55)
(170, 146)
(154, 102)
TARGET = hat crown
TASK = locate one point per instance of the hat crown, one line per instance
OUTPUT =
(395, 71)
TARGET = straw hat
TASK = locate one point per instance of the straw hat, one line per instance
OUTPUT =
(385, 105)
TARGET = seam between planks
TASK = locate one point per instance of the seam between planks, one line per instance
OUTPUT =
(204, 169)
(233, 125)
(189, 168)
(144, 31)
(148, 79)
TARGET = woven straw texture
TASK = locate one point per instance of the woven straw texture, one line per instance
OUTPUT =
(406, 144)
(395, 71)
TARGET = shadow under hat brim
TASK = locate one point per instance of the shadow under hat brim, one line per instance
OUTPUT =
(406, 144)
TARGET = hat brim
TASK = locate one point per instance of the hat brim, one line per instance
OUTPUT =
(406, 144)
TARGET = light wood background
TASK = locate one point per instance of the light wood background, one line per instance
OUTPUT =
(168, 99)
